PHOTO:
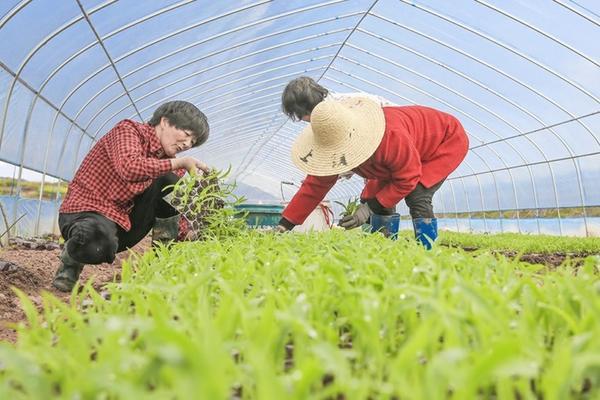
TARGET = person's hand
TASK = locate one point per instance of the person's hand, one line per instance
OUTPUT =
(360, 216)
(191, 164)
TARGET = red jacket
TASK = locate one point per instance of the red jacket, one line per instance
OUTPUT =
(420, 145)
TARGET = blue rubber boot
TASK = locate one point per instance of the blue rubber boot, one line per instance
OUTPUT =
(425, 231)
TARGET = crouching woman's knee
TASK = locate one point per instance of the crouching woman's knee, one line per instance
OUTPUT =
(90, 242)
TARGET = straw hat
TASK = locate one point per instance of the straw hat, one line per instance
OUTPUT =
(342, 135)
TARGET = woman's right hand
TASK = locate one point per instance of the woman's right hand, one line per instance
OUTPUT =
(191, 164)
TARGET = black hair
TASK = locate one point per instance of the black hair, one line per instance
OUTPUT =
(300, 96)
(185, 116)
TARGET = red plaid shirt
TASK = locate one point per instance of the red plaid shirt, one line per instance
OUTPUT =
(120, 166)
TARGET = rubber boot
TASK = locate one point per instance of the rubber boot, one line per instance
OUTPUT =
(68, 272)
(425, 231)
(165, 230)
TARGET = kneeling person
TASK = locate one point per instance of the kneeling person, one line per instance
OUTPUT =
(116, 196)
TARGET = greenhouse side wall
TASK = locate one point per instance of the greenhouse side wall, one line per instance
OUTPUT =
(25, 212)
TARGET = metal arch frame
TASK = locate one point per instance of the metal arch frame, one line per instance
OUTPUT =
(14, 11)
(177, 32)
(582, 15)
(511, 102)
(89, 77)
(213, 67)
(231, 82)
(539, 64)
(535, 29)
(280, 126)
(30, 55)
(468, 99)
(577, 169)
(110, 59)
(255, 123)
(259, 83)
(503, 45)
(477, 60)
(38, 93)
(367, 12)
(262, 116)
(227, 104)
(284, 128)
(456, 208)
(495, 93)
(215, 79)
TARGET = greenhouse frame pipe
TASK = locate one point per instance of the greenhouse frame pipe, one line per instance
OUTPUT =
(594, 153)
(14, 11)
(468, 99)
(107, 36)
(539, 64)
(540, 31)
(242, 27)
(89, 77)
(212, 67)
(367, 12)
(254, 124)
(477, 60)
(462, 181)
(164, 38)
(240, 170)
(455, 205)
(202, 83)
(212, 104)
(543, 128)
(233, 143)
(190, 88)
(573, 10)
(525, 86)
(348, 37)
(29, 56)
(259, 83)
(502, 45)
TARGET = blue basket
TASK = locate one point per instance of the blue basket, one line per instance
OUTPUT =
(261, 215)
(386, 224)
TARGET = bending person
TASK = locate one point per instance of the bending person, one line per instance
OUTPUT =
(405, 152)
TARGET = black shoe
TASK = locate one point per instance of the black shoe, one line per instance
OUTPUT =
(68, 273)
(66, 277)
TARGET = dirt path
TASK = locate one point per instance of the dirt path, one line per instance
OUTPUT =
(32, 271)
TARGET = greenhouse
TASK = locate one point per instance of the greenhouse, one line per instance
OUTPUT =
(484, 111)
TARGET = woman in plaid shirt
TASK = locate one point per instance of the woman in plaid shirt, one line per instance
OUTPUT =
(116, 196)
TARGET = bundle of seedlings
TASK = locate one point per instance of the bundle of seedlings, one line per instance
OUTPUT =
(208, 203)
(350, 207)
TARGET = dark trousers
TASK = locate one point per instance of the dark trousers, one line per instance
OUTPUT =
(91, 238)
(419, 201)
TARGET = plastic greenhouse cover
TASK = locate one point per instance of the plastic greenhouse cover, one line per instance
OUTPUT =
(523, 77)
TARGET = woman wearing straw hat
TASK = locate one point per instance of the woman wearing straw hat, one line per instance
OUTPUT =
(405, 152)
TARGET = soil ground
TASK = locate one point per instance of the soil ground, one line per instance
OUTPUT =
(30, 266)
(32, 271)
